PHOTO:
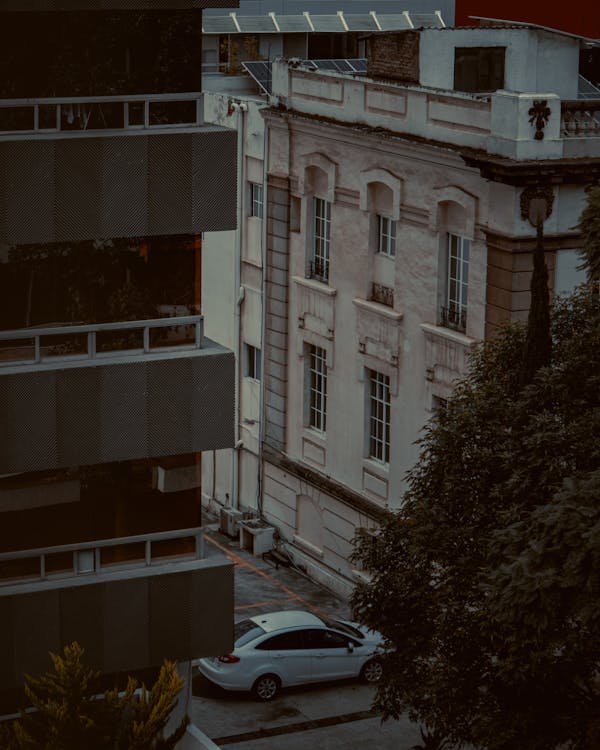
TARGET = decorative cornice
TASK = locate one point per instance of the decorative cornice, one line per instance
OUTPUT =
(533, 172)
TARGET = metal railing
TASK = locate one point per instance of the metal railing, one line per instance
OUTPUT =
(53, 353)
(382, 294)
(26, 117)
(454, 317)
(319, 270)
(86, 558)
(580, 118)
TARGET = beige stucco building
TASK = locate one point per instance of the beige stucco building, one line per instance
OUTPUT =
(387, 232)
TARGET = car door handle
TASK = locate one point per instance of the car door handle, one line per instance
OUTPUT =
(320, 656)
(278, 656)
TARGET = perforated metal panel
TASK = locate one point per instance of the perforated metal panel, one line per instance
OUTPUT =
(139, 408)
(81, 611)
(125, 624)
(118, 186)
(126, 612)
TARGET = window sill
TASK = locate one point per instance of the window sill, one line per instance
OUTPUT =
(313, 432)
(449, 334)
(377, 307)
(317, 286)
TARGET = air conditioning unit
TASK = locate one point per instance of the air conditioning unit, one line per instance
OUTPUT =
(229, 521)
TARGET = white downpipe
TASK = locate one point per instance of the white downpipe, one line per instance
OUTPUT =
(240, 114)
(263, 321)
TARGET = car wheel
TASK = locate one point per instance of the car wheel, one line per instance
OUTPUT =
(371, 671)
(266, 687)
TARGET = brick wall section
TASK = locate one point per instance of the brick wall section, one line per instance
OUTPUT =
(394, 55)
(278, 218)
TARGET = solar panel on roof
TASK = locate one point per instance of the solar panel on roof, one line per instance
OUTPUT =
(360, 22)
(352, 65)
(256, 24)
(261, 72)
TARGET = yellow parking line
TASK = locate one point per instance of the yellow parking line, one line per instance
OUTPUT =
(263, 604)
(247, 564)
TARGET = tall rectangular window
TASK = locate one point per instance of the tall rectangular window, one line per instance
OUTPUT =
(379, 416)
(317, 368)
(386, 233)
(252, 362)
(256, 200)
(454, 313)
(321, 237)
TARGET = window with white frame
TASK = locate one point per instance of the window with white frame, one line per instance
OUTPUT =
(252, 362)
(317, 373)
(379, 416)
(454, 312)
(321, 236)
(256, 200)
(386, 236)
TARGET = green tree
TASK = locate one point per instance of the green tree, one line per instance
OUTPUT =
(486, 583)
(538, 343)
(589, 226)
(66, 710)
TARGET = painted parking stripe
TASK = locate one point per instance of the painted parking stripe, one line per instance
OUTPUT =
(301, 726)
(246, 564)
(264, 604)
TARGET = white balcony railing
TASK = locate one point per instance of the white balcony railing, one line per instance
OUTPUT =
(26, 346)
(100, 556)
(580, 118)
(85, 115)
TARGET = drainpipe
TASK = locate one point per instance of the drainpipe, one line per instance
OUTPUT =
(240, 108)
(263, 324)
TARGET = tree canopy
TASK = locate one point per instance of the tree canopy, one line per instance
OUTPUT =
(589, 226)
(67, 711)
(487, 582)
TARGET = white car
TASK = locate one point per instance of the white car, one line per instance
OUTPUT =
(286, 648)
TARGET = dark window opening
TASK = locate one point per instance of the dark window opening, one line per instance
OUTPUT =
(479, 69)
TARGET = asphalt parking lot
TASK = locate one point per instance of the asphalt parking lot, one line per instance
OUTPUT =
(335, 715)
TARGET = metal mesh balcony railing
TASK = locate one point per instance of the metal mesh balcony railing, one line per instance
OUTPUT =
(85, 114)
(95, 557)
(29, 346)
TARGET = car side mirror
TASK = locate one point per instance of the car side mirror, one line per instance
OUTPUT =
(350, 647)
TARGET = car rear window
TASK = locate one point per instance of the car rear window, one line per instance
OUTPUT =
(246, 631)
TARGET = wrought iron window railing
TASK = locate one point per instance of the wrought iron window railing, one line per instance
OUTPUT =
(454, 317)
(93, 341)
(319, 270)
(382, 294)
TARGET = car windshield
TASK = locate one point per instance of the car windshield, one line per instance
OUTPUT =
(344, 627)
(246, 631)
